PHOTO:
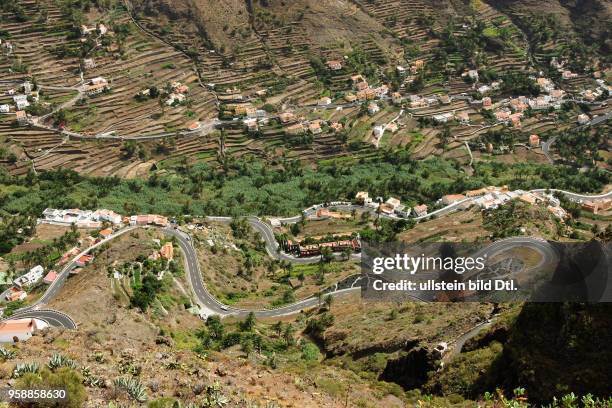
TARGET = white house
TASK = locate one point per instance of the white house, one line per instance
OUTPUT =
(583, 119)
(379, 131)
(89, 63)
(393, 202)
(443, 117)
(27, 87)
(102, 29)
(484, 89)
(373, 108)
(5, 108)
(98, 80)
(324, 101)
(362, 197)
(33, 276)
(15, 330)
(21, 116)
(21, 101)
(174, 97)
(420, 210)
(107, 215)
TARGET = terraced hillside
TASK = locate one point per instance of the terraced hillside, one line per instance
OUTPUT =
(195, 80)
(51, 52)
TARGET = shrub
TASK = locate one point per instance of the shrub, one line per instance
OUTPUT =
(64, 378)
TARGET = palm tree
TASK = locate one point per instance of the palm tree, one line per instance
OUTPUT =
(328, 301)
(162, 105)
(278, 327)
(288, 334)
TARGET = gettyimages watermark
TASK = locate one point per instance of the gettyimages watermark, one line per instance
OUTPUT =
(514, 269)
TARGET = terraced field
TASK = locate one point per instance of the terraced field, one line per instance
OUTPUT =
(32, 44)
(143, 62)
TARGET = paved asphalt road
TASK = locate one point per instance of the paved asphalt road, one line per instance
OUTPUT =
(35, 308)
(52, 317)
(209, 304)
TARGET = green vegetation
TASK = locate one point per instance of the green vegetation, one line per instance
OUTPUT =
(11, 307)
(48, 254)
(251, 187)
(62, 378)
(145, 292)
(146, 287)
(508, 219)
(581, 147)
(533, 348)
(14, 230)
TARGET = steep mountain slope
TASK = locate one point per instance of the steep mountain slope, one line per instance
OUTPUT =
(228, 23)
(546, 349)
(588, 19)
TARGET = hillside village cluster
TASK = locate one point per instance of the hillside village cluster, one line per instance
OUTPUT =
(485, 198)
(508, 111)
(105, 222)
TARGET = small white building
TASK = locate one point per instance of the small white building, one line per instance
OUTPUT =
(16, 330)
(251, 124)
(379, 131)
(484, 89)
(5, 108)
(21, 101)
(102, 29)
(27, 87)
(393, 202)
(583, 119)
(89, 63)
(443, 117)
(363, 197)
(373, 108)
(175, 97)
(473, 74)
(21, 116)
(34, 275)
(98, 80)
(420, 210)
(106, 215)
(324, 101)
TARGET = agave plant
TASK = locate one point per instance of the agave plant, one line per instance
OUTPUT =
(173, 365)
(57, 361)
(24, 368)
(133, 387)
(89, 379)
(6, 354)
(214, 397)
(93, 382)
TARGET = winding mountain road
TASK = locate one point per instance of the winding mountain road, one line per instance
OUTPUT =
(210, 305)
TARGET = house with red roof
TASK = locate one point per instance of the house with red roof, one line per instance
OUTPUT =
(15, 330)
(16, 294)
(84, 260)
(167, 251)
(50, 277)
